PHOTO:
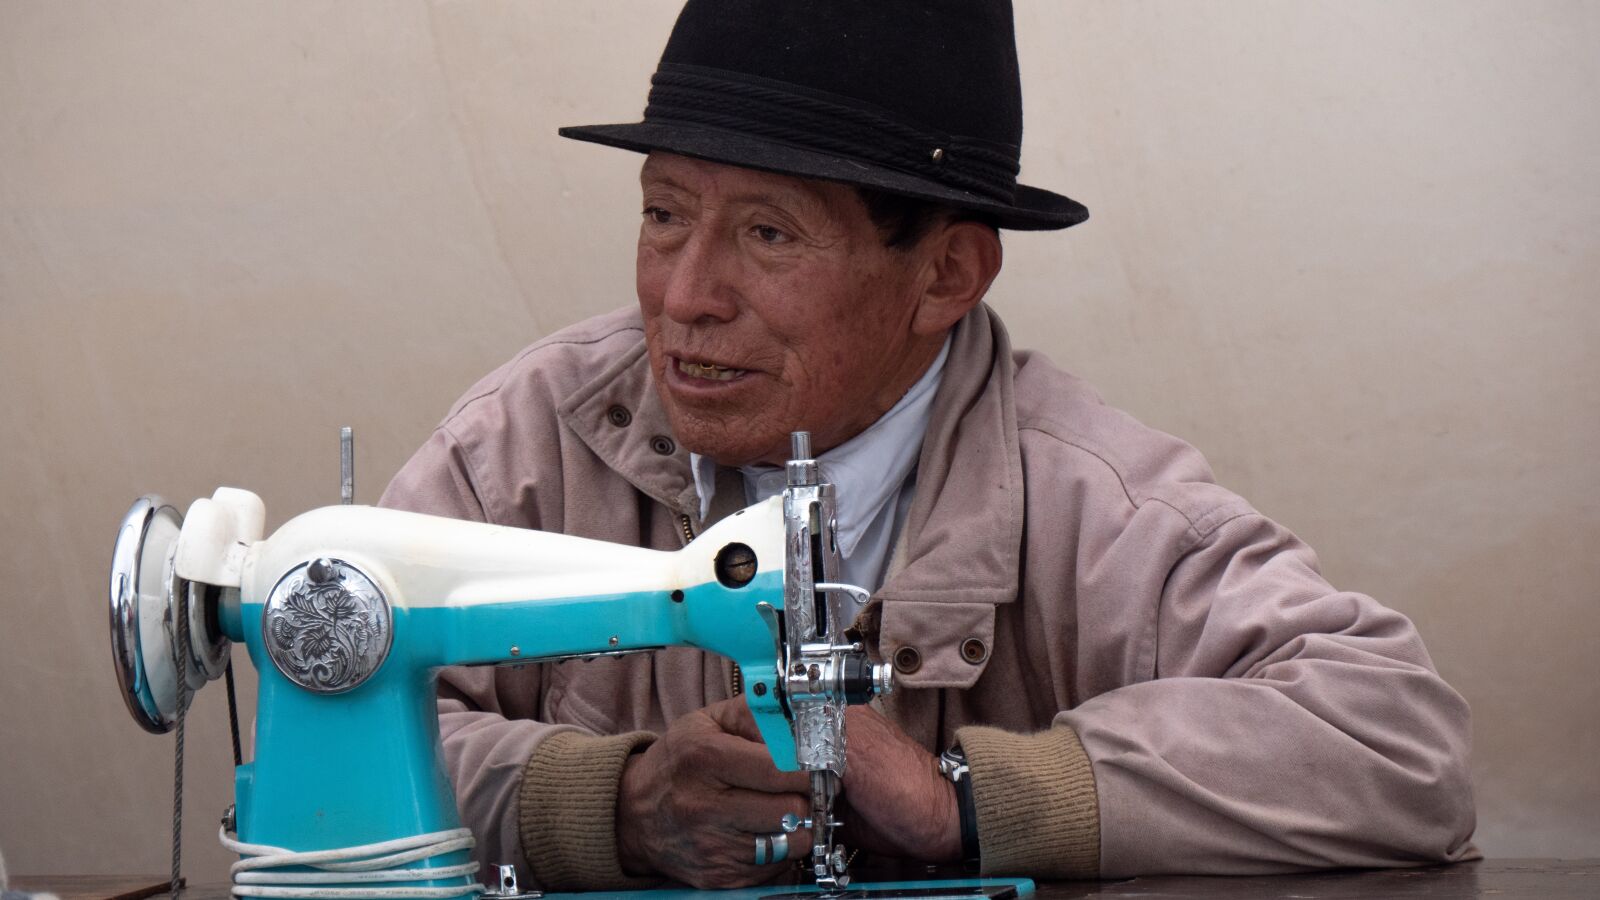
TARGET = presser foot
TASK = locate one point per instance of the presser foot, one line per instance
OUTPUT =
(830, 867)
(831, 870)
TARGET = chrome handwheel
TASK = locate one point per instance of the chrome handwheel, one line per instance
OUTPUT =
(146, 597)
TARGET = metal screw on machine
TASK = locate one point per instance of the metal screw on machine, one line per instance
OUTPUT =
(347, 466)
(801, 468)
(506, 886)
(322, 570)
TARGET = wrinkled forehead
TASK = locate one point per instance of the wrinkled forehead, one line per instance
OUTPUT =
(704, 181)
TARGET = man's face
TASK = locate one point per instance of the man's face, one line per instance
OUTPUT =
(771, 305)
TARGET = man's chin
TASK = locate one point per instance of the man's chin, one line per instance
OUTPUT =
(728, 441)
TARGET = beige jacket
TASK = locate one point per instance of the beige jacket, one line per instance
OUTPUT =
(1146, 674)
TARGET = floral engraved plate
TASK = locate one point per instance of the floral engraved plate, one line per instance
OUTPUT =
(819, 738)
(327, 626)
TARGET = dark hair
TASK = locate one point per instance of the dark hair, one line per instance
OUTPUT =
(903, 221)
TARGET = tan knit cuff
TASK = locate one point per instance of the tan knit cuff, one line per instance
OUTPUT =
(1038, 814)
(568, 811)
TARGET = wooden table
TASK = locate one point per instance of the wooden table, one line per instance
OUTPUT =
(92, 887)
(1508, 878)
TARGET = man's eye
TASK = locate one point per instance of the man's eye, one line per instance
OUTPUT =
(767, 234)
(658, 215)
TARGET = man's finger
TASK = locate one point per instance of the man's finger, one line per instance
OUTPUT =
(741, 763)
(733, 716)
(758, 812)
(731, 862)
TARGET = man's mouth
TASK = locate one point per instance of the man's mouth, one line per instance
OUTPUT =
(708, 371)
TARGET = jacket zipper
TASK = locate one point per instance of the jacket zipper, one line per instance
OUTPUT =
(735, 677)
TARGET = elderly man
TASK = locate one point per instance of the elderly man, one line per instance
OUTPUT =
(1142, 673)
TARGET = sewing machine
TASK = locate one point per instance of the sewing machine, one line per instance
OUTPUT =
(348, 612)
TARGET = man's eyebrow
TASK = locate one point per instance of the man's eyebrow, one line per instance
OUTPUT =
(794, 198)
(655, 179)
(802, 201)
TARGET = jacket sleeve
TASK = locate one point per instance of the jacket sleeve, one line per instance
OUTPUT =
(538, 796)
(1288, 725)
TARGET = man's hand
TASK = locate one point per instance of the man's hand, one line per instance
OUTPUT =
(690, 806)
(899, 804)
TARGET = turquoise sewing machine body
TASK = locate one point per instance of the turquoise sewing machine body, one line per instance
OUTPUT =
(359, 767)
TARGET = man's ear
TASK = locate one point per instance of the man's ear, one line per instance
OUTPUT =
(963, 259)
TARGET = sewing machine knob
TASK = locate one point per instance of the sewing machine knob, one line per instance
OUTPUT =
(864, 680)
(883, 679)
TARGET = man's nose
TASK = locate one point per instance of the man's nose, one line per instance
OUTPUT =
(702, 284)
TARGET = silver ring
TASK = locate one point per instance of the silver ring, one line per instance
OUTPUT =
(771, 848)
(780, 847)
(763, 849)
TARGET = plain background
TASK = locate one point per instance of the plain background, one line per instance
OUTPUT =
(1349, 249)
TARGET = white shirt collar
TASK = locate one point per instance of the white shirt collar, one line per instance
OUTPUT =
(868, 470)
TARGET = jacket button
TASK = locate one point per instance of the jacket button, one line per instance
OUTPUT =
(618, 416)
(662, 445)
(907, 660)
(974, 651)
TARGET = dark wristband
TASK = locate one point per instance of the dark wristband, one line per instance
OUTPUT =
(969, 819)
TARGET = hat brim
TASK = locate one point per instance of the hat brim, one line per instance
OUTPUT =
(1033, 209)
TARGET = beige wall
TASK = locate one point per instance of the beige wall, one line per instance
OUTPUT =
(1349, 249)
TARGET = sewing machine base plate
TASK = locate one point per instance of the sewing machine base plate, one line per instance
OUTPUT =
(932, 890)
(943, 889)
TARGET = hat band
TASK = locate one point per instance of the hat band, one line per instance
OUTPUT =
(764, 109)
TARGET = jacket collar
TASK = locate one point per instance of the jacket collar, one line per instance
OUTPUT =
(964, 530)
(635, 448)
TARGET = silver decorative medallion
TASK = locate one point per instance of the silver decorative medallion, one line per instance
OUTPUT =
(327, 626)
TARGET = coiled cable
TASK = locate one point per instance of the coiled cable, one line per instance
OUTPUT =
(253, 875)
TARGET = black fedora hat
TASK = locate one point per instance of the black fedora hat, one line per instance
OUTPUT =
(913, 97)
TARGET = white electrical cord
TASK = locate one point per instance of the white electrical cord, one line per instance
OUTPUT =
(366, 863)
